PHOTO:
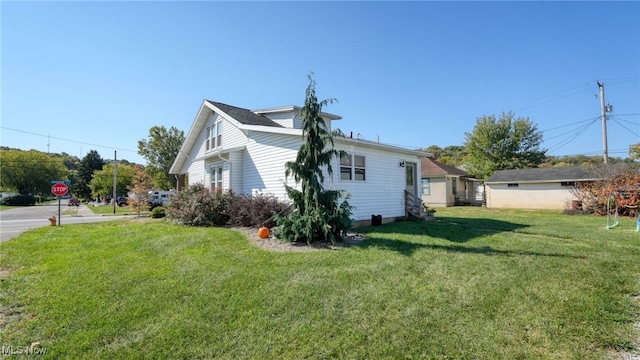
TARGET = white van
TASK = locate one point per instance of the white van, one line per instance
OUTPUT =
(160, 197)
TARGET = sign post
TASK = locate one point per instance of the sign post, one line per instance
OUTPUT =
(59, 189)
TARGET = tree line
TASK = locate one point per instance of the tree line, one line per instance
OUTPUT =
(509, 142)
(31, 171)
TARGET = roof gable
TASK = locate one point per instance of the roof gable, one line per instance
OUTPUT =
(244, 116)
(431, 167)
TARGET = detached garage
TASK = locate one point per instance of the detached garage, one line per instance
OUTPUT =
(542, 188)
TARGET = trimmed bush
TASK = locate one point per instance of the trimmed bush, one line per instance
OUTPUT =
(199, 206)
(19, 200)
(158, 212)
(258, 210)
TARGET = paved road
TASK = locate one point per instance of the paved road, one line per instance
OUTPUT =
(16, 221)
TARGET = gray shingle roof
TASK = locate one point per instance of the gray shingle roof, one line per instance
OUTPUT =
(244, 116)
(573, 173)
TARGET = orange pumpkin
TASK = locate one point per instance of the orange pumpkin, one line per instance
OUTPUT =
(263, 232)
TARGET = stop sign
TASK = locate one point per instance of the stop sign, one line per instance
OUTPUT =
(59, 189)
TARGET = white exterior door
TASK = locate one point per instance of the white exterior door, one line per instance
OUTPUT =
(410, 178)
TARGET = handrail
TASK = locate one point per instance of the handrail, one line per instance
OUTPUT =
(413, 205)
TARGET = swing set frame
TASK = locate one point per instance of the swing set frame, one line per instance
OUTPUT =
(613, 219)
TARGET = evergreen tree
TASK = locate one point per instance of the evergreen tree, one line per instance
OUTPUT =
(88, 165)
(318, 214)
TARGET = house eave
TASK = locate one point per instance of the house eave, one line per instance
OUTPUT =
(190, 139)
(270, 129)
(375, 145)
(217, 153)
(294, 108)
(514, 181)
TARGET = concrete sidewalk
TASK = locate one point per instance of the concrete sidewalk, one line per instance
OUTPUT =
(83, 210)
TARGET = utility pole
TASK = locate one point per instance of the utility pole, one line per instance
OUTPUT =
(605, 149)
(115, 180)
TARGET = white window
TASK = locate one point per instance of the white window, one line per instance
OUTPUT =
(426, 186)
(352, 167)
(214, 136)
(208, 142)
(219, 134)
(216, 177)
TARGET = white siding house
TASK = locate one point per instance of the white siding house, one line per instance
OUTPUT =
(245, 151)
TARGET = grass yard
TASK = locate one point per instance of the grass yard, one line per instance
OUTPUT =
(108, 210)
(477, 284)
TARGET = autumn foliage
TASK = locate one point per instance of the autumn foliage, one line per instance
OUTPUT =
(619, 182)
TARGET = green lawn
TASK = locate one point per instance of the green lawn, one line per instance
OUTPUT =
(476, 284)
(108, 210)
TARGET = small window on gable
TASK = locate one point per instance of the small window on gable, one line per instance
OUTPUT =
(214, 136)
(512, 185)
(208, 141)
(219, 134)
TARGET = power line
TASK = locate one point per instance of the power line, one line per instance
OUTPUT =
(573, 123)
(73, 141)
(574, 136)
(629, 130)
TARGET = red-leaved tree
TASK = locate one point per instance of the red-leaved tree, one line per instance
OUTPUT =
(620, 186)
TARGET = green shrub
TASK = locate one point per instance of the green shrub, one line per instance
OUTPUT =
(158, 212)
(19, 200)
(199, 206)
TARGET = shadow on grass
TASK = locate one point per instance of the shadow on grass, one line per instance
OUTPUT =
(454, 229)
(407, 248)
(457, 230)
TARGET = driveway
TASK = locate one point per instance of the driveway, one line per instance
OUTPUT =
(14, 222)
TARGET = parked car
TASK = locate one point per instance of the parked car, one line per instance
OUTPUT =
(122, 201)
(74, 202)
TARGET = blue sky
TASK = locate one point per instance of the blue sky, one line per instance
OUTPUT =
(77, 76)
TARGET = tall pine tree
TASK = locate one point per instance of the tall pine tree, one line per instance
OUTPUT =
(318, 214)
(88, 165)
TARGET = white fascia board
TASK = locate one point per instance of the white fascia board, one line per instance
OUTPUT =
(536, 181)
(271, 129)
(224, 115)
(374, 145)
(294, 108)
(192, 135)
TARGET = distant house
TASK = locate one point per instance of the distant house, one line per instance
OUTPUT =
(245, 151)
(444, 185)
(541, 188)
